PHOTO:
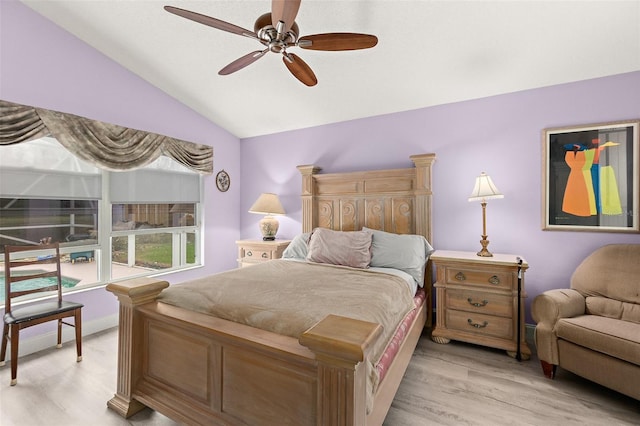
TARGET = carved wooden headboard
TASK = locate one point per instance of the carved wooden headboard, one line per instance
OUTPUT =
(396, 200)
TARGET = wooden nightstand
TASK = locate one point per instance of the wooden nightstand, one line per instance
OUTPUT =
(251, 252)
(477, 300)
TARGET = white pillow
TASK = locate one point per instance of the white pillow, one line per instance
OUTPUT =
(406, 252)
(298, 247)
(347, 248)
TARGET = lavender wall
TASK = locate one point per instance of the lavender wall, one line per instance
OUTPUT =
(43, 65)
(500, 135)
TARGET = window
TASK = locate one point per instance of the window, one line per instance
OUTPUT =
(152, 236)
(146, 221)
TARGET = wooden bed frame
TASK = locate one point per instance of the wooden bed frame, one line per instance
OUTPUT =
(198, 369)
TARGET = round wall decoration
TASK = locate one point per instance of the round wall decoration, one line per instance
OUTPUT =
(223, 181)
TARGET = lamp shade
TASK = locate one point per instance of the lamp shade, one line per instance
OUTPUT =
(484, 189)
(268, 204)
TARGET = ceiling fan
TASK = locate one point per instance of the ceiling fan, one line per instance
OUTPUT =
(278, 31)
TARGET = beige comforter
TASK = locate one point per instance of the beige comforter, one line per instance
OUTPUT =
(288, 297)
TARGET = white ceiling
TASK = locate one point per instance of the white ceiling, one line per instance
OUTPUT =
(429, 53)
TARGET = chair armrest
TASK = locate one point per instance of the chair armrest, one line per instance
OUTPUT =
(546, 310)
(552, 305)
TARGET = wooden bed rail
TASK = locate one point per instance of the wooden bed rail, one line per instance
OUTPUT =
(318, 380)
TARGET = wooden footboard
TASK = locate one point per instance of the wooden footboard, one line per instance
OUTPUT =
(199, 369)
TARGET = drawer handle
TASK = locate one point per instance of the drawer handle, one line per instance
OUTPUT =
(476, 304)
(494, 280)
(264, 255)
(460, 276)
(476, 325)
(249, 254)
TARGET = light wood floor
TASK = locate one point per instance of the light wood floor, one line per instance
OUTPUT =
(454, 384)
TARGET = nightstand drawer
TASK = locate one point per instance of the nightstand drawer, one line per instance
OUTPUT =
(479, 324)
(479, 276)
(481, 302)
(252, 254)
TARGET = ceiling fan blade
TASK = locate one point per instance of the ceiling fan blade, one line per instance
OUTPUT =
(285, 11)
(300, 69)
(212, 22)
(338, 41)
(242, 62)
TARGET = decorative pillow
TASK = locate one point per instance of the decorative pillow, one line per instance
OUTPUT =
(298, 247)
(406, 252)
(352, 248)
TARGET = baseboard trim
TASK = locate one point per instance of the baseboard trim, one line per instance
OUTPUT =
(48, 340)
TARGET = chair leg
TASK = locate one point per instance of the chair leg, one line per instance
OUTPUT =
(59, 345)
(15, 330)
(78, 327)
(549, 370)
(5, 337)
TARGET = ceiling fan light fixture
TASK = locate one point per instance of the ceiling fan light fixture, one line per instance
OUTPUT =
(277, 47)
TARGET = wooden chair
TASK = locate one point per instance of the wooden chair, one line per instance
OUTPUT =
(38, 312)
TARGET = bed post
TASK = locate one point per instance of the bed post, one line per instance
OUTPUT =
(341, 346)
(424, 195)
(309, 215)
(130, 294)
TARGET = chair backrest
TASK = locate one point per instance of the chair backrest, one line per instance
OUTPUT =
(612, 271)
(21, 281)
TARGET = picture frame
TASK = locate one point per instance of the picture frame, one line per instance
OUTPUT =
(223, 181)
(591, 177)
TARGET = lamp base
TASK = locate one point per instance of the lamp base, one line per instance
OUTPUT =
(269, 228)
(484, 252)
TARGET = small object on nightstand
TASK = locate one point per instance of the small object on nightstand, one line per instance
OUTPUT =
(251, 252)
(477, 300)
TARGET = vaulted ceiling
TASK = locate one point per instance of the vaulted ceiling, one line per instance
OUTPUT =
(429, 53)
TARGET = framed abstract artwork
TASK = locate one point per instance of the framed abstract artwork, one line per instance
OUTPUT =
(591, 177)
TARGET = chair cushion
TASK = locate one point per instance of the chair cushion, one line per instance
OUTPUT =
(613, 308)
(617, 338)
(39, 310)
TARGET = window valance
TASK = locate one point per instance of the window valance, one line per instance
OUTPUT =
(105, 145)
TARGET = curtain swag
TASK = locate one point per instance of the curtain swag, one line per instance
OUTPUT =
(105, 145)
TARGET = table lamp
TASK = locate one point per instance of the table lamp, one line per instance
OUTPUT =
(484, 190)
(269, 205)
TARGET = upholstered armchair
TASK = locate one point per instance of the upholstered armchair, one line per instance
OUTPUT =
(593, 328)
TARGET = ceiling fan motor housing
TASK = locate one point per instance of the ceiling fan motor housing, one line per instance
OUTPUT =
(268, 34)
